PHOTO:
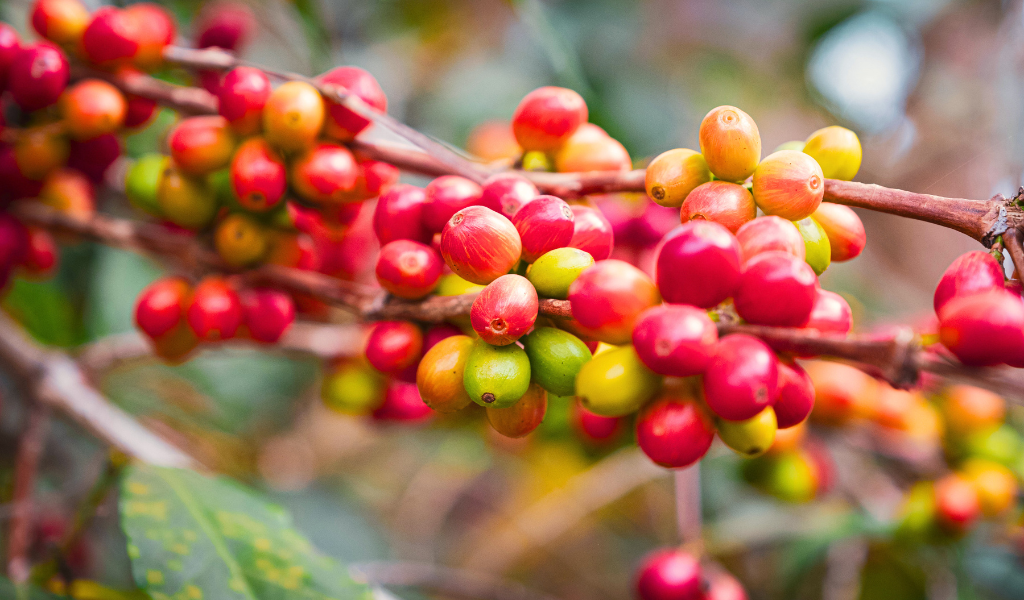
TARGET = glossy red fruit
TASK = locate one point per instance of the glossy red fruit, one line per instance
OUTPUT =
(970, 273)
(41, 252)
(505, 310)
(957, 505)
(94, 157)
(342, 123)
(325, 174)
(437, 333)
(765, 234)
(984, 329)
(742, 379)
(241, 96)
(727, 204)
(698, 263)
(154, 29)
(408, 269)
(10, 45)
(608, 297)
(394, 345)
(844, 229)
(399, 215)
(267, 313)
(402, 403)
(670, 574)
(377, 177)
(228, 25)
(723, 586)
(674, 432)
(776, 288)
(795, 395)
(507, 192)
(258, 175)
(139, 111)
(446, 196)
(547, 116)
(110, 37)
(60, 21)
(37, 76)
(544, 224)
(201, 145)
(214, 311)
(480, 245)
(592, 232)
(595, 428)
(831, 313)
(161, 306)
(675, 340)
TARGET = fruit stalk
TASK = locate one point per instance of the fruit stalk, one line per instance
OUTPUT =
(688, 507)
(26, 468)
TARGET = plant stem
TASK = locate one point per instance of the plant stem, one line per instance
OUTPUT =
(688, 507)
(26, 470)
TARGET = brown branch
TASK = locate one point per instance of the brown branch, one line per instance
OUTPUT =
(26, 469)
(1012, 241)
(457, 583)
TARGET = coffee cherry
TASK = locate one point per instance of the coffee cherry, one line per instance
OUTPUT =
(544, 224)
(138, 112)
(201, 145)
(161, 306)
(440, 374)
(725, 203)
(293, 116)
(520, 419)
(817, 249)
(214, 311)
(352, 389)
(91, 108)
(670, 575)
(752, 437)
(493, 141)
(505, 310)
(984, 329)
(185, 201)
(10, 45)
(446, 196)
(242, 94)
(970, 273)
(795, 395)
(678, 341)
(16, 185)
(111, 37)
(537, 161)
(831, 313)
(742, 379)
(917, 514)
(672, 175)
(39, 151)
(957, 506)
(608, 297)
(582, 154)
(556, 358)
(841, 392)
(408, 269)
(225, 24)
(968, 409)
(41, 253)
(94, 157)
(698, 263)
(674, 432)
(764, 234)
(399, 215)
(788, 184)
(480, 245)
(591, 232)
(37, 76)
(594, 428)
(844, 229)
(506, 192)
(995, 484)
(60, 21)
(776, 288)
(241, 240)
(143, 181)
(547, 116)
(342, 123)
(554, 271)
(724, 586)
(837, 150)
(496, 376)
(616, 383)
(394, 345)
(730, 143)
(325, 174)
(258, 175)
(267, 313)
(793, 477)
(402, 403)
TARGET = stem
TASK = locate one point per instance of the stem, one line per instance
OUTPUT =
(26, 469)
(1012, 239)
(688, 507)
(458, 583)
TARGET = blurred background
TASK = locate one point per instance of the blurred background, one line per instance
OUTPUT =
(933, 87)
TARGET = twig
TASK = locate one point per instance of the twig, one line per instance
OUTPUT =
(456, 583)
(688, 507)
(26, 468)
(1012, 240)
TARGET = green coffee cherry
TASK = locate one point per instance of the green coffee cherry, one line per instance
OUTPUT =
(819, 251)
(496, 376)
(792, 478)
(554, 272)
(143, 181)
(615, 383)
(917, 515)
(556, 357)
(352, 389)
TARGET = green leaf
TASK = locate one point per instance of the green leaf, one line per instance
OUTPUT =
(192, 537)
(45, 310)
(9, 590)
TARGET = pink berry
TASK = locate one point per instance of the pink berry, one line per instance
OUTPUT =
(214, 312)
(38, 75)
(698, 263)
(342, 123)
(591, 232)
(394, 345)
(267, 313)
(608, 297)
(675, 340)
(673, 432)
(228, 25)
(446, 196)
(653, 224)
(670, 575)
(402, 403)
(242, 94)
(742, 379)
(768, 233)
(547, 117)
(506, 192)
(831, 313)
(408, 269)
(727, 204)
(505, 310)
(399, 215)
(544, 224)
(795, 395)
(976, 271)
(984, 329)
(480, 245)
(776, 288)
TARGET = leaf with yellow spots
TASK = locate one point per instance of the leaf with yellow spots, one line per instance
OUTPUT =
(192, 537)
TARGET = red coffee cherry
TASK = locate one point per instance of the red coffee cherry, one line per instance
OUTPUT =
(831, 313)
(505, 310)
(446, 196)
(727, 204)
(91, 108)
(241, 96)
(724, 586)
(139, 111)
(201, 145)
(493, 141)
(506, 192)
(776, 288)
(670, 574)
(984, 329)
(591, 232)
(394, 345)
(480, 245)
(342, 123)
(325, 174)
(160, 308)
(742, 379)
(408, 269)
(267, 313)
(795, 395)
(16, 186)
(544, 224)
(970, 273)
(399, 215)
(547, 116)
(957, 505)
(13, 242)
(764, 234)
(698, 263)
(595, 428)
(652, 225)
(154, 29)
(674, 432)
(10, 45)
(258, 175)
(377, 177)
(37, 76)
(94, 156)
(214, 312)
(844, 229)
(402, 403)
(60, 21)
(111, 37)
(41, 253)
(228, 25)
(608, 297)
(675, 340)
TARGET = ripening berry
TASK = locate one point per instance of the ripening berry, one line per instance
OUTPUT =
(765, 234)
(970, 273)
(37, 76)
(591, 232)
(92, 107)
(138, 112)
(544, 224)
(241, 240)
(547, 116)
(742, 379)
(995, 484)
(440, 373)
(154, 29)
(793, 477)
(293, 116)
(725, 203)
(520, 419)
(16, 185)
(160, 308)
(185, 201)
(399, 215)
(394, 345)
(225, 24)
(493, 141)
(730, 143)
(72, 193)
(751, 437)
(480, 245)
(795, 395)
(608, 297)
(844, 229)
(95, 156)
(675, 340)
(258, 175)
(831, 313)
(242, 94)
(969, 409)
(505, 193)
(324, 174)
(674, 432)
(111, 37)
(957, 505)
(496, 376)
(788, 184)
(670, 574)
(505, 310)
(672, 175)
(984, 329)
(446, 196)
(837, 150)
(554, 271)
(817, 248)
(352, 388)
(267, 313)
(342, 123)
(214, 311)
(142, 182)
(592, 154)
(41, 253)
(408, 269)
(402, 404)
(777, 289)
(616, 383)
(40, 151)
(201, 145)
(594, 429)
(698, 263)
(60, 21)
(841, 392)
